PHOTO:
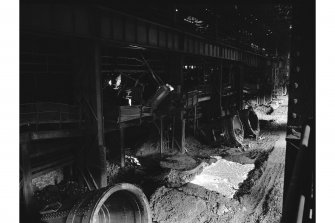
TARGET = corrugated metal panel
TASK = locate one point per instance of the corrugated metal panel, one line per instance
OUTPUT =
(191, 45)
(130, 30)
(206, 48)
(201, 47)
(62, 18)
(162, 38)
(81, 23)
(170, 40)
(106, 26)
(153, 35)
(142, 36)
(117, 28)
(175, 41)
(39, 16)
(186, 44)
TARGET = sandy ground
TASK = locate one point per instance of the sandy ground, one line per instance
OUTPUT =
(257, 199)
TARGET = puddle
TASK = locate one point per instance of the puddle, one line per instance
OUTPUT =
(223, 176)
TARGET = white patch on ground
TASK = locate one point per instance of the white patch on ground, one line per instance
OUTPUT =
(223, 176)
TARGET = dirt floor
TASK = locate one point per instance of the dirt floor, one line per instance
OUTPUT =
(206, 184)
(242, 196)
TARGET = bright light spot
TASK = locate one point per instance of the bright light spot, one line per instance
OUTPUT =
(118, 82)
(170, 87)
(133, 160)
(185, 66)
(290, 27)
(110, 82)
(129, 101)
(136, 47)
(176, 10)
(223, 176)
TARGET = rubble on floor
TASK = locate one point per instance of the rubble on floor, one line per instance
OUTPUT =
(51, 178)
(191, 204)
(257, 199)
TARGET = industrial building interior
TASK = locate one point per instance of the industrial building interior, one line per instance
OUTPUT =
(167, 113)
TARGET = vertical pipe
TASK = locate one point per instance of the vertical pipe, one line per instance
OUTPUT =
(122, 149)
(220, 96)
(240, 90)
(301, 209)
(26, 176)
(182, 141)
(195, 119)
(173, 131)
(161, 134)
(98, 90)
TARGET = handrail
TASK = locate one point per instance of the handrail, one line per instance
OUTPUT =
(46, 102)
(40, 107)
(295, 200)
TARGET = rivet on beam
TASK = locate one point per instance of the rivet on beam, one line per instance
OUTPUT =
(297, 69)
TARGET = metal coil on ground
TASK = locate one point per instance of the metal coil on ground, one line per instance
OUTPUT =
(250, 122)
(235, 131)
(227, 130)
(121, 203)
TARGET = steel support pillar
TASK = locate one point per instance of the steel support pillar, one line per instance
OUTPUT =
(175, 66)
(102, 178)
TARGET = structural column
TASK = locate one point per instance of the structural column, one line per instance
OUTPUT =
(27, 189)
(238, 71)
(176, 79)
(220, 87)
(100, 125)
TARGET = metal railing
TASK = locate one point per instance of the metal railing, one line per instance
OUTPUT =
(299, 204)
(36, 114)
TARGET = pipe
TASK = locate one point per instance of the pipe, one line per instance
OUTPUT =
(120, 203)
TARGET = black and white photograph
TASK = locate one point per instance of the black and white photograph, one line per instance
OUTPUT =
(167, 112)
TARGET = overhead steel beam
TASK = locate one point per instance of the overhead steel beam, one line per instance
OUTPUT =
(112, 26)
